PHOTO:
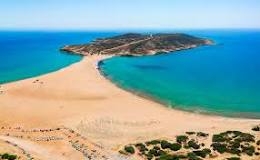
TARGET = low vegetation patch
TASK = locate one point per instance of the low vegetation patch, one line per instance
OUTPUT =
(7, 156)
(194, 146)
(256, 128)
(182, 139)
(202, 153)
(234, 158)
(130, 149)
(234, 142)
(201, 134)
(190, 133)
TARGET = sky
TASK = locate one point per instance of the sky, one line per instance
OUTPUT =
(126, 14)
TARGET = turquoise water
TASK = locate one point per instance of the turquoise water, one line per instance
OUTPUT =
(29, 54)
(220, 79)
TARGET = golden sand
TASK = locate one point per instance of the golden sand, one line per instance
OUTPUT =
(80, 98)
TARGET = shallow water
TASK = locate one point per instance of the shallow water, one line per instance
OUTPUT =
(28, 54)
(220, 79)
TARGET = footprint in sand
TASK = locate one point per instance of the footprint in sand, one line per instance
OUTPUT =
(1, 91)
(37, 81)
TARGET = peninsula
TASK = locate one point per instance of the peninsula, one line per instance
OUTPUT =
(134, 44)
(76, 113)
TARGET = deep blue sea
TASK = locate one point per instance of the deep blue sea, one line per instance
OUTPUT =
(220, 79)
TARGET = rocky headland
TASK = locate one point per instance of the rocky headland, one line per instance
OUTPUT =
(133, 44)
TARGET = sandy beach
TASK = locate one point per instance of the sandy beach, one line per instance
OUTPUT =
(77, 102)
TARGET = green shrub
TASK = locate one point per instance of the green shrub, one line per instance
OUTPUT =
(249, 150)
(233, 158)
(175, 146)
(141, 147)
(207, 150)
(192, 156)
(193, 144)
(218, 138)
(233, 135)
(202, 153)
(153, 152)
(168, 157)
(130, 149)
(161, 152)
(165, 144)
(234, 151)
(172, 146)
(8, 156)
(234, 144)
(201, 134)
(256, 128)
(246, 137)
(258, 142)
(149, 156)
(153, 142)
(182, 139)
(190, 133)
(221, 148)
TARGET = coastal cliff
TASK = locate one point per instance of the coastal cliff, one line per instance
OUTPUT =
(138, 44)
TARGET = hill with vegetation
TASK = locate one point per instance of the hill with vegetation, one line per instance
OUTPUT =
(138, 44)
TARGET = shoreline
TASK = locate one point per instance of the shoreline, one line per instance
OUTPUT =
(149, 97)
(98, 64)
(207, 114)
(43, 74)
(81, 98)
